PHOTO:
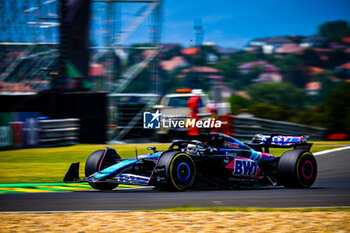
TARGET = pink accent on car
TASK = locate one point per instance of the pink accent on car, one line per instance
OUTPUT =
(231, 165)
(99, 166)
(312, 169)
(265, 155)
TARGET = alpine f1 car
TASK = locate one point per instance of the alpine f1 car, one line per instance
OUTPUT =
(215, 161)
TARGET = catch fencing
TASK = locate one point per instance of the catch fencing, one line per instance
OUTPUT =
(59, 132)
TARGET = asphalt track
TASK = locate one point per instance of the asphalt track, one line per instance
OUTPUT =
(332, 188)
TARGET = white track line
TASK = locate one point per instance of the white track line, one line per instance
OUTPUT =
(331, 151)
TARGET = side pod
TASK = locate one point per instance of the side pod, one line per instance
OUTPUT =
(72, 174)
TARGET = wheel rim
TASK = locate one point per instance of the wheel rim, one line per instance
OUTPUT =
(307, 169)
(183, 171)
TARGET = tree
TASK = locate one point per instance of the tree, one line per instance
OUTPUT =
(334, 30)
(311, 58)
(337, 58)
(338, 108)
(261, 110)
(206, 49)
(172, 82)
(140, 84)
(315, 116)
(237, 102)
(176, 51)
(135, 54)
(277, 94)
(229, 70)
(326, 86)
(297, 76)
(292, 67)
(265, 110)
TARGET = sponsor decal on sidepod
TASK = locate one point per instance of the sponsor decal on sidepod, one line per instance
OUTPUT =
(244, 167)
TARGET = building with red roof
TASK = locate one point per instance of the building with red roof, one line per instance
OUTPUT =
(313, 88)
(190, 51)
(288, 49)
(269, 77)
(344, 68)
(97, 70)
(204, 71)
(249, 66)
(15, 87)
(346, 40)
(313, 70)
(172, 64)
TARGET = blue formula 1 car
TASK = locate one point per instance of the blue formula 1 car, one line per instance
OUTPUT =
(215, 161)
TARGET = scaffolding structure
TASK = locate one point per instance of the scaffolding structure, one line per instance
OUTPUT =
(29, 32)
(28, 44)
(26, 22)
(117, 35)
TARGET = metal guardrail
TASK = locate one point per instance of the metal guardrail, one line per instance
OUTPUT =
(245, 128)
(59, 132)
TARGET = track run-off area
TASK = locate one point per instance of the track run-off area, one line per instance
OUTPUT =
(332, 188)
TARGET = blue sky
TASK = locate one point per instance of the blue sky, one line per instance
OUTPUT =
(228, 23)
(233, 23)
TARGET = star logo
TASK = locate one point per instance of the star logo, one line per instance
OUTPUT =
(151, 120)
(155, 115)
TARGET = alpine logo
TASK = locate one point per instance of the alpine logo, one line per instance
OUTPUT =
(243, 167)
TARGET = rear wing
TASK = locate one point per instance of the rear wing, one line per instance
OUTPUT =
(279, 141)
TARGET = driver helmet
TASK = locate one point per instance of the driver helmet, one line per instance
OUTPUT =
(258, 138)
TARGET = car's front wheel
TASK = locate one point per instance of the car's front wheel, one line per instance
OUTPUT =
(98, 161)
(180, 171)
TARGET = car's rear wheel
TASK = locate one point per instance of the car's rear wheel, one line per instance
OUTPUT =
(98, 161)
(297, 169)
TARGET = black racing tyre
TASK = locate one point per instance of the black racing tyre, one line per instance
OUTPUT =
(98, 161)
(297, 169)
(180, 171)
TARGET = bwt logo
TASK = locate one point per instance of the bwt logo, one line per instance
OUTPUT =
(245, 167)
(151, 120)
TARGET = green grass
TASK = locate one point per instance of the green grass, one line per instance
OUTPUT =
(50, 164)
(252, 209)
